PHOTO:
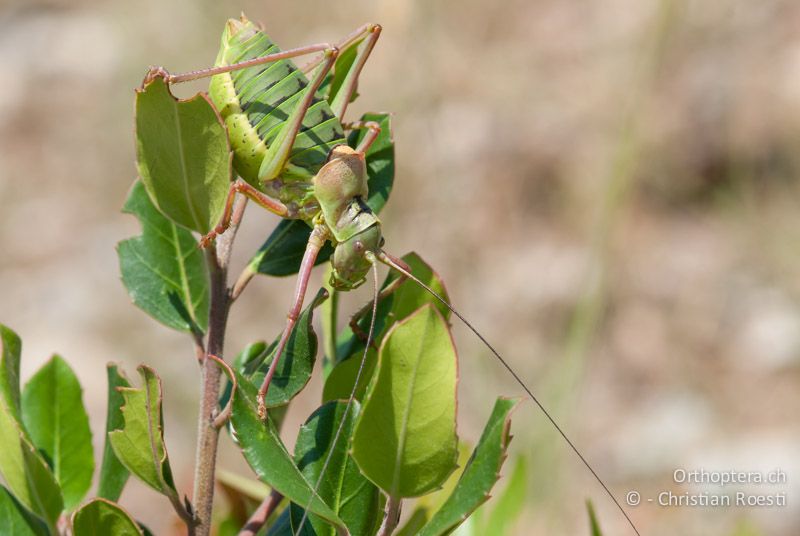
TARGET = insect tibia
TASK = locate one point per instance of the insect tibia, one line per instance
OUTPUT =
(400, 267)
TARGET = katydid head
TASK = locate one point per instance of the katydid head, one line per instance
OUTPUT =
(353, 258)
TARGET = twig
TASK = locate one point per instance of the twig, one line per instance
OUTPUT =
(392, 516)
(225, 241)
(261, 515)
(199, 347)
(217, 259)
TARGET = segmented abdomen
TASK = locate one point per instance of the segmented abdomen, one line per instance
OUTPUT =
(255, 104)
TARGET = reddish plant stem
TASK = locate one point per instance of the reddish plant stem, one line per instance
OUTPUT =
(391, 517)
(217, 257)
(261, 515)
(207, 433)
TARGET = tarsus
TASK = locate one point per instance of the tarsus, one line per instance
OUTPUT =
(393, 263)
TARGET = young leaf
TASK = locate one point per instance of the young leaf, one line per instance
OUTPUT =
(10, 348)
(16, 519)
(54, 416)
(27, 475)
(183, 156)
(113, 475)
(283, 251)
(479, 476)
(297, 362)
(101, 517)
(593, 524)
(353, 497)
(267, 455)
(410, 409)
(163, 269)
(139, 444)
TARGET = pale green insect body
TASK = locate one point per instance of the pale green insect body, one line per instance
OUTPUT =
(323, 181)
(255, 103)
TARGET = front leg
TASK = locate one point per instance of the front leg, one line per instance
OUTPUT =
(262, 199)
(315, 242)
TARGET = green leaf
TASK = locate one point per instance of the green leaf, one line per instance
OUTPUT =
(434, 500)
(183, 156)
(410, 409)
(353, 497)
(593, 524)
(55, 418)
(282, 525)
(25, 471)
(283, 251)
(139, 444)
(163, 269)
(267, 455)
(396, 306)
(410, 296)
(511, 502)
(113, 475)
(10, 348)
(16, 519)
(479, 476)
(101, 517)
(297, 362)
(339, 383)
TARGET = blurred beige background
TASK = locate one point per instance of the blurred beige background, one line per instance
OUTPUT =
(610, 190)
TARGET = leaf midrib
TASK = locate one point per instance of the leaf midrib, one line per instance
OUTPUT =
(190, 306)
(407, 411)
(184, 172)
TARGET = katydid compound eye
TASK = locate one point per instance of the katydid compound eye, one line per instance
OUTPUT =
(358, 246)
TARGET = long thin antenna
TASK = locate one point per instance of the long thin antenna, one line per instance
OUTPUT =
(352, 397)
(393, 263)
